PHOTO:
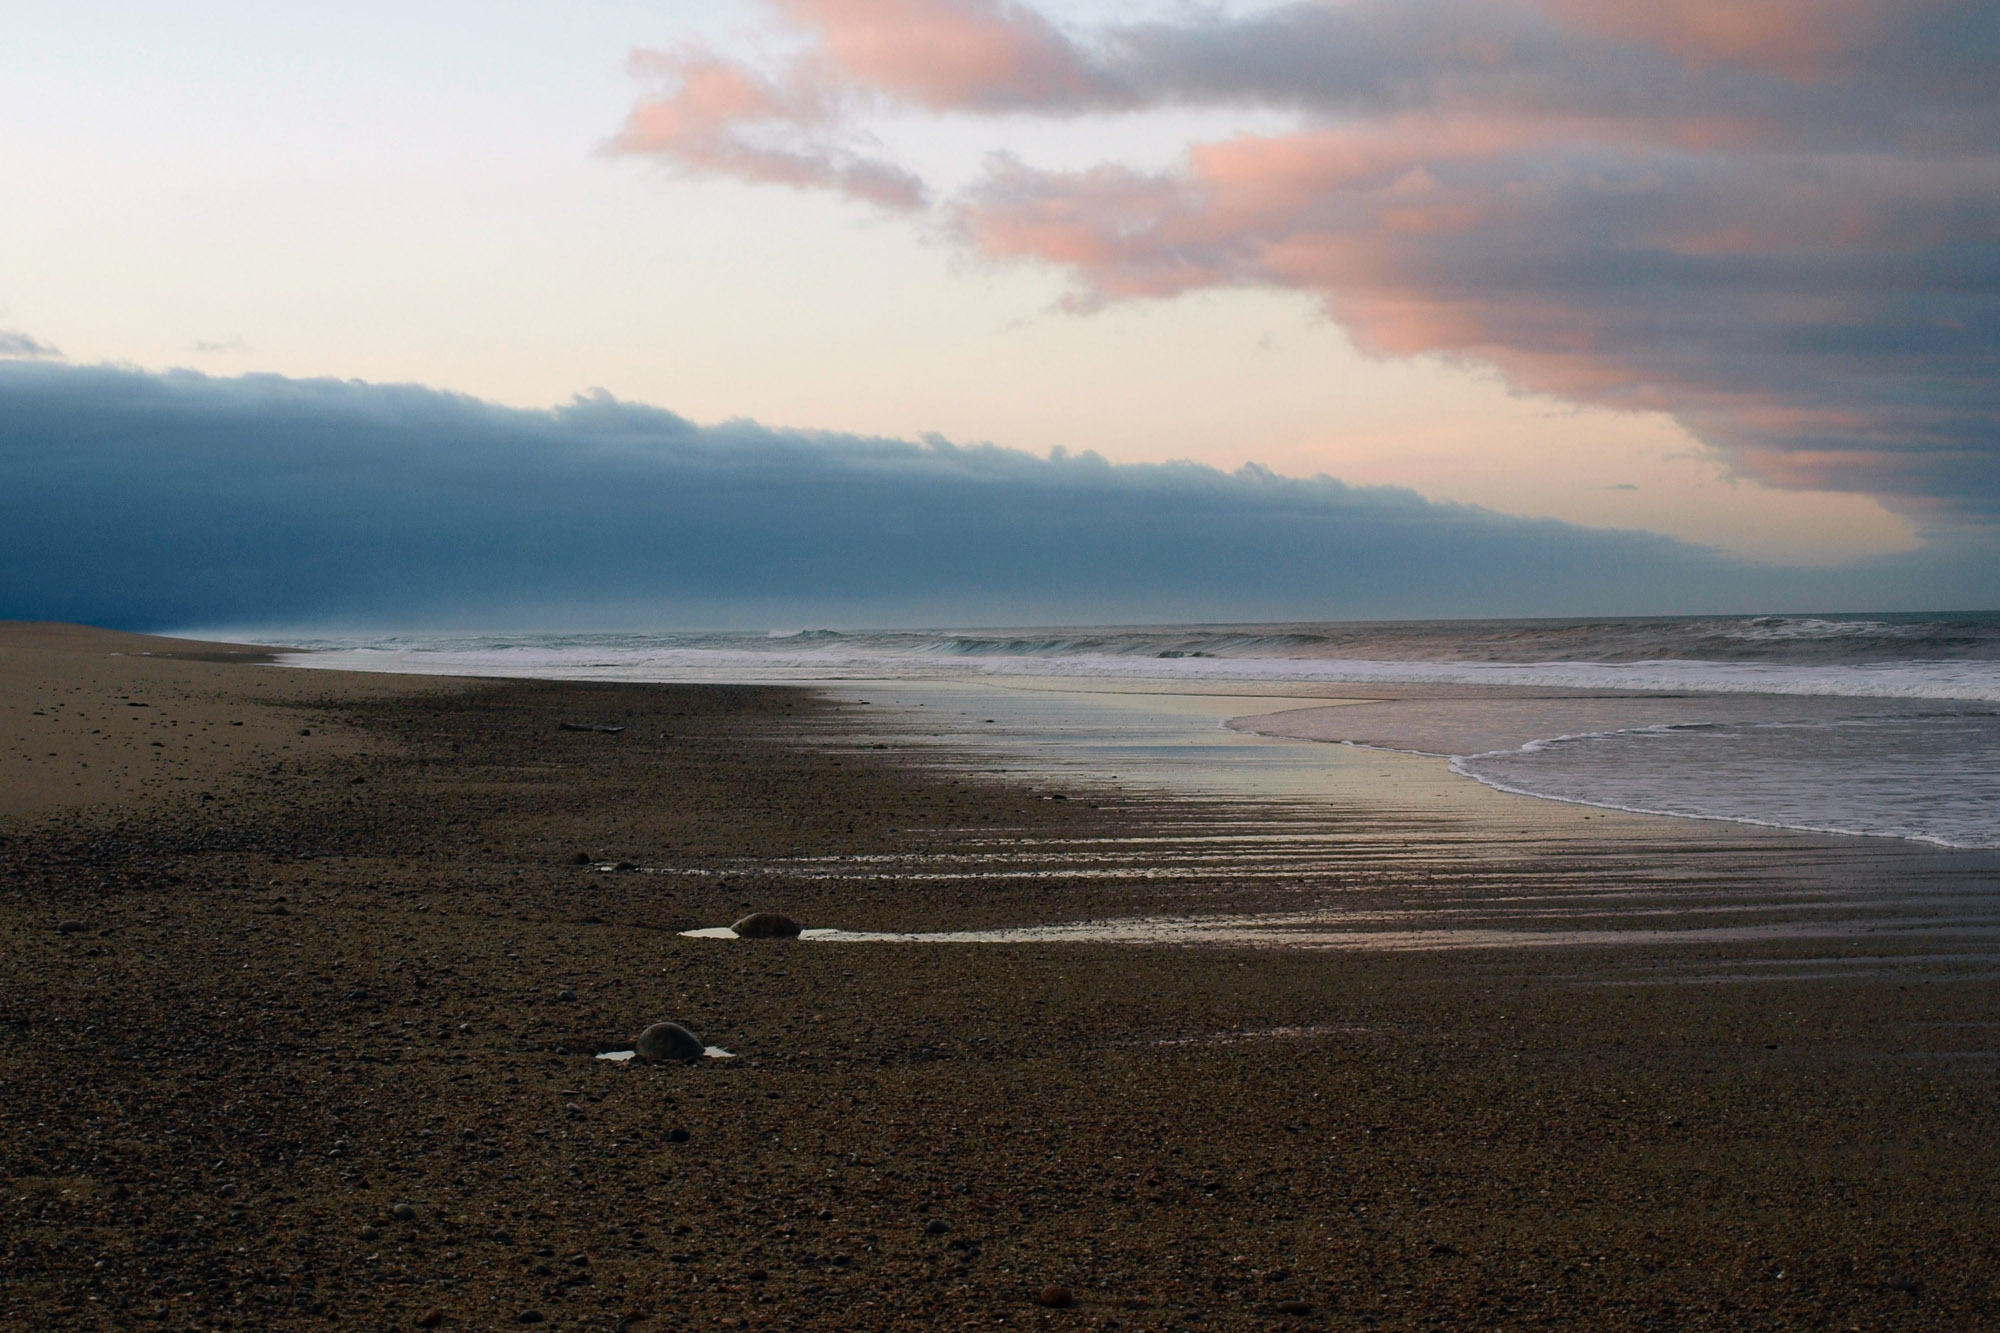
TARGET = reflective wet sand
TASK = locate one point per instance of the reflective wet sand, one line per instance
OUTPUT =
(1257, 842)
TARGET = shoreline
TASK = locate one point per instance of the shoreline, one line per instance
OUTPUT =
(1471, 723)
(367, 972)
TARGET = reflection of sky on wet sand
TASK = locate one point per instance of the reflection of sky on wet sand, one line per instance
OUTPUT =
(1346, 848)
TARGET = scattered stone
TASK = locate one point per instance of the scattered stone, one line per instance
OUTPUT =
(403, 1212)
(766, 926)
(937, 1226)
(528, 1317)
(668, 1041)
(371, 1233)
(1055, 1297)
(73, 927)
(677, 1136)
(430, 1319)
(566, 996)
(1295, 1307)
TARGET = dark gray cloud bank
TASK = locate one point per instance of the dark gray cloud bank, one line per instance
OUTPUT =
(177, 500)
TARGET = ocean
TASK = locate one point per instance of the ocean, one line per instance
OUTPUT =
(1870, 725)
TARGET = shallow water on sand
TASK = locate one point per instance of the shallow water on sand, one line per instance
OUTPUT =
(1380, 850)
(1879, 725)
(1355, 848)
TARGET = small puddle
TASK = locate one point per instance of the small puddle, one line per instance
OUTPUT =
(1380, 931)
(712, 1052)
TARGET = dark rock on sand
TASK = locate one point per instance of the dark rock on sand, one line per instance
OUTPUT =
(1055, 1297)
(937, 1226)
(677, 1136)
(767, 926)
(528, 1317)
(668, 1041)
(75, 927)
(430, 1319)
(403, 1212)
(1295, 1307)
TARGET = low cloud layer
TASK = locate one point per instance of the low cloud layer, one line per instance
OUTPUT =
(17, 345)
(175, 500)
(1778, 220)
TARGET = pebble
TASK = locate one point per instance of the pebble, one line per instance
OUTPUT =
(403, 1212)
(75, 927)
(937, 1226)
(668, 1041)
(566, 996)
(767, 926)
(371, 1233)
(528, 1317)
(677, 1136)
(1055, 1297)
(1295, 1307)
(430, 1319)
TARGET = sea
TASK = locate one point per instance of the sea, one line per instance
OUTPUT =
(1869, 725)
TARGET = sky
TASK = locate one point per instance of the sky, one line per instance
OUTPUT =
(1713, 280)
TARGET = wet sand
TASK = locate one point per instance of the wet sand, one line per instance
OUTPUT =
(325, 962)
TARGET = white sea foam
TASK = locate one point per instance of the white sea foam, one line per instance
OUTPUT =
(1928, 777)
(1977, 681)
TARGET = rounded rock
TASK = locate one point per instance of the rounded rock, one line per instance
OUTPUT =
(677, 1136)
(403, 1212)
(766, 926)
(668, 1041)
(528, 1317)
(1295, 1307)
(1055, 1297)
(75, 927)
(937, 1226)
(371, 1233)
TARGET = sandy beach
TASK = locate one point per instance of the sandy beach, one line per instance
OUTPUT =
(307, 972)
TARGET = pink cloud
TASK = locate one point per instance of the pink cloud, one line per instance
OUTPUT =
(720, 118)
(943, 54)
(1777, 219)
(1793, 37)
